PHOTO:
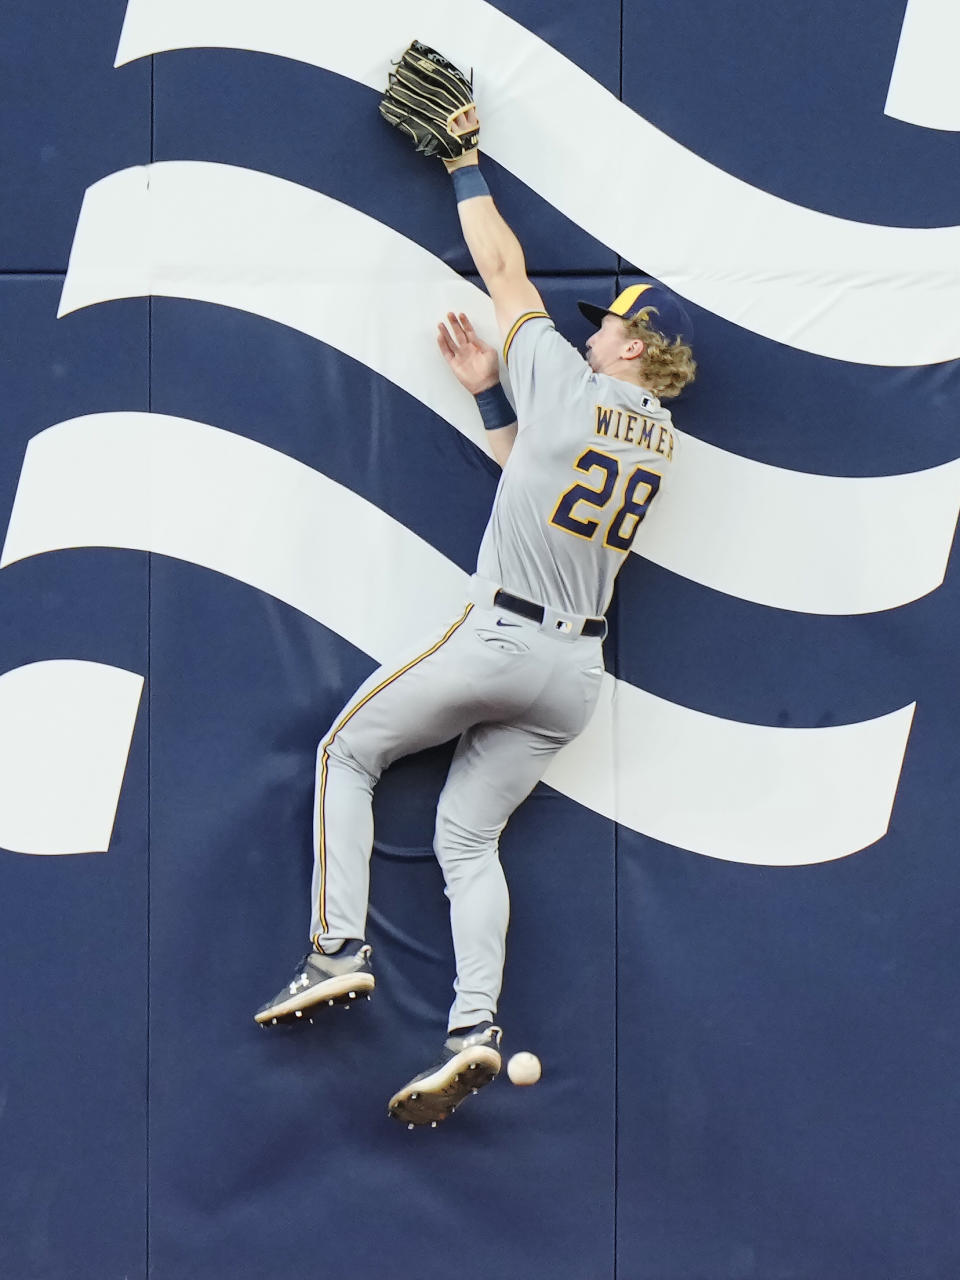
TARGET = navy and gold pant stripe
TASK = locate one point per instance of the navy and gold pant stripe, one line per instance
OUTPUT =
(324, 757)
(515, 328)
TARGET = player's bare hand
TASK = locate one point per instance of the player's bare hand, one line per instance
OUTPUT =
(473, 361)
(464, 122)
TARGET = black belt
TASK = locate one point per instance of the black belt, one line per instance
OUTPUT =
(527, 609)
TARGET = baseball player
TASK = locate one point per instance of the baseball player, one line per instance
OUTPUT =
(517, 672)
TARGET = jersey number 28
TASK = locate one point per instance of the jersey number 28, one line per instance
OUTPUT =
(638, 493)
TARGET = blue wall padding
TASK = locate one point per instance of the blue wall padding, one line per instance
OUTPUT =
(254, 1134)
(749, 1071)
(790, 98)
(68, 119)
(74, 955)
(798, 1098)
(264, 113)
(313, 403)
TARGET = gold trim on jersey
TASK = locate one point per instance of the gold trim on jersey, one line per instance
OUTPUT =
(621, 514)
(521, 320)
(329, 742)
(597, 493)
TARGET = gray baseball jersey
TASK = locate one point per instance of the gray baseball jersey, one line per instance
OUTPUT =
(590, 456)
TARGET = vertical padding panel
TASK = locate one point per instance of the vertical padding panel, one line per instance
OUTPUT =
(66, 119)
(73, 959)
(271, 1150)
(787, 1040)
(786, 1050)
(790, 99)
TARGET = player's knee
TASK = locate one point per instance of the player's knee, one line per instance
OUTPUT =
(456, 842)
(335, 753)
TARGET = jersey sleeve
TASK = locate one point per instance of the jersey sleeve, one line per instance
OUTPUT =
(545, 371)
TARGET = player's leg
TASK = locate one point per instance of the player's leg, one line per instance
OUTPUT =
(496, 765)
(494, 769)
(416, 702)
(406, 706)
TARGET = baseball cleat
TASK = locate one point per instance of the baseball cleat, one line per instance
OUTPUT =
(321, 980)
(470, 1059)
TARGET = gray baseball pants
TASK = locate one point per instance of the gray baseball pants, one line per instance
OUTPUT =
(516, 691)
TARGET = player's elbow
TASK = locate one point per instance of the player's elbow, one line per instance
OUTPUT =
(502, 270)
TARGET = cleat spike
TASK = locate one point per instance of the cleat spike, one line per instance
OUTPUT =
(299, 1013)
(352, 995)
(330, 1003)
(474, 1090)
(433, 1124)
(414, 1096)
(409, 1126)
(273, 1022)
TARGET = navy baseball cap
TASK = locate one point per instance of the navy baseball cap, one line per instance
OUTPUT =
(670, 316)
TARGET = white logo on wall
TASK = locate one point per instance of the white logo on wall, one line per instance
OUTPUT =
(812, 794)
(925, 87)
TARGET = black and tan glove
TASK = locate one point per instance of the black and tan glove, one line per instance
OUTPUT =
(424, 96)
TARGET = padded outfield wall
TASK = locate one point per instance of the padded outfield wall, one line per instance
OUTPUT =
(235, 474)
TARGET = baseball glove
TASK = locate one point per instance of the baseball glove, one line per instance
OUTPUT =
(424, 94)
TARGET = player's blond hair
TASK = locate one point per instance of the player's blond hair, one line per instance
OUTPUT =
(666, 365)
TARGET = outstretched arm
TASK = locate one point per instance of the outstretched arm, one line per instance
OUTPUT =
(495, 250)
(475, 365)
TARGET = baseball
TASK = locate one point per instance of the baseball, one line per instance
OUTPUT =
(524, 1068)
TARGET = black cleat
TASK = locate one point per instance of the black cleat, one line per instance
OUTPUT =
(319, 982)
(470, 1059)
